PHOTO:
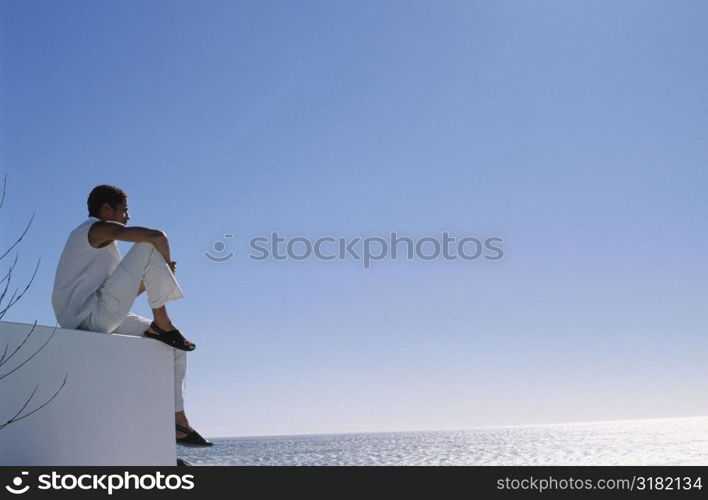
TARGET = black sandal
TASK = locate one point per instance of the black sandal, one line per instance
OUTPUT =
(192, 438)
(173, 338)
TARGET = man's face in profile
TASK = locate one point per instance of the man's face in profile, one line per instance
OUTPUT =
(118, 214)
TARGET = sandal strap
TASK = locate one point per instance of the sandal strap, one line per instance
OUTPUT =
(171, 334)
(172, 337)
(159, 330)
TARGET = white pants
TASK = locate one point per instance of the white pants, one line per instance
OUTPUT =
(143, 263)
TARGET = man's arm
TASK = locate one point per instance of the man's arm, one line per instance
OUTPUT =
(103, 233)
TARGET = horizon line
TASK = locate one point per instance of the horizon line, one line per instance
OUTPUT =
(486, 427)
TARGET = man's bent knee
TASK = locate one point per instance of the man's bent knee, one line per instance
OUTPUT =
(147, 248)
(144, 245)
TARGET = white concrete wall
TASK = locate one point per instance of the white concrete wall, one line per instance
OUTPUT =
(117, 407)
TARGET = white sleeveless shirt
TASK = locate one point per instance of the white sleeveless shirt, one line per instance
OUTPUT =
(81, 271)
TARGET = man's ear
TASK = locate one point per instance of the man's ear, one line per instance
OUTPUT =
(105, 209)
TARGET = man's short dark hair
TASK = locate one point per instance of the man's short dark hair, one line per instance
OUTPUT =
(104, 194)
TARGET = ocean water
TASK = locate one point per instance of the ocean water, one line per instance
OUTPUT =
(643, 442)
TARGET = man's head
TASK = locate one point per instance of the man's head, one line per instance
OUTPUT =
(108, 203)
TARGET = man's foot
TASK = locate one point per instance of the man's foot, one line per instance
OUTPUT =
(180, 434)
(171, 337)
(181, 420)
(186, 436)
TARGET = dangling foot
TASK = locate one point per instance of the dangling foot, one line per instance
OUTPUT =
(172, 338)
(186, 436)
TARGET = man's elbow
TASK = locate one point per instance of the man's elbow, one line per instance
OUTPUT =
(157, 236)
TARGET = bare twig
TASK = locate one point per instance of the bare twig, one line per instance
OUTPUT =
(20, 238)
(13, 300)
(17, 417)
(29, 334)
(66, 376)
(12, 419)
(32, 356)
(8, 277)
(10, 302)
(4, 186)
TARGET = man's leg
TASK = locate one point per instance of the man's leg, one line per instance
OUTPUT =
(143, 263)
(136, 325)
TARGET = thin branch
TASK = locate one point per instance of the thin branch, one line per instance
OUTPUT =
(4, 353)
(20, 238)
(4, 186)
(66, 376)
(8, 276)
(9, 271)
(16, 418)
(12, 302)
(32, 356)
(20, 346)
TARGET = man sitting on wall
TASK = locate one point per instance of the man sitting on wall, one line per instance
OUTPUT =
(94, 289)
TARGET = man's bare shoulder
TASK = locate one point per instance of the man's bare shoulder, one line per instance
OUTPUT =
(103, 233)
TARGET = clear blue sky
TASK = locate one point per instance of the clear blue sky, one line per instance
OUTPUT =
(575, 130)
